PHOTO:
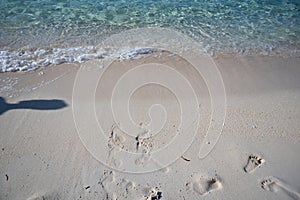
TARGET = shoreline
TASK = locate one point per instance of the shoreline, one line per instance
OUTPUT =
(30, 59)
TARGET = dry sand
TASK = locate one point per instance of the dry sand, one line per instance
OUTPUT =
(256, 157)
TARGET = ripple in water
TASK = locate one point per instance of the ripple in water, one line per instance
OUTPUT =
(268, 27)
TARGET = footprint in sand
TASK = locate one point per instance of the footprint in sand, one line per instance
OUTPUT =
(153, 194)
(274, 185)
(109, 177)
(144, 146)
(116, 187)
(106, 181)
(254, 162)
(115, 143)
(205, 185)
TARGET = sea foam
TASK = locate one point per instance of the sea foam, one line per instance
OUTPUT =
(32, 59)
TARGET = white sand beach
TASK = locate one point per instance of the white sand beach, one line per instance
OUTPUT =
(44, 154)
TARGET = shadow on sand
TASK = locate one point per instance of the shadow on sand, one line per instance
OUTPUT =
(52, 104)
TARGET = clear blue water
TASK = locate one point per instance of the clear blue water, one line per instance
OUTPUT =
(233, 26)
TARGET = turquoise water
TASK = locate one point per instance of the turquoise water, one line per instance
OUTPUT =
(246, 27)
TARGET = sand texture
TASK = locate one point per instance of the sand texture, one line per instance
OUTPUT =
(50, 148)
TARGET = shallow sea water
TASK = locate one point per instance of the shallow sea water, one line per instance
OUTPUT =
(268, 27)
